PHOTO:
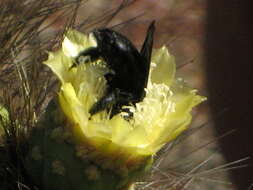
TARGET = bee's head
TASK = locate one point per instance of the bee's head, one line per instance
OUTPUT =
(105, 39)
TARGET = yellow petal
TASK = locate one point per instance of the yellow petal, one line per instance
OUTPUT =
(72, 107)
(74, 42)
(165, 69)
(184, 99)
(60, 65)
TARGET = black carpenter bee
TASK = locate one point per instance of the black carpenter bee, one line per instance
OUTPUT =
(130, 68)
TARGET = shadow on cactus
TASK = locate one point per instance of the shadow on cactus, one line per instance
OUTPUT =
(70, 149)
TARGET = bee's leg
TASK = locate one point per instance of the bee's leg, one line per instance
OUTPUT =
(129, 115)
(123, 99)
(113, 100)
(104, 103)
(88, 55)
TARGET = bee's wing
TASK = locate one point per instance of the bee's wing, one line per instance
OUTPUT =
(147, 46)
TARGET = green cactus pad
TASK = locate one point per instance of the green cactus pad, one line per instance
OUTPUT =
(54, 161)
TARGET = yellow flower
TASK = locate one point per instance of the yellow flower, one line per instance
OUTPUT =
(162, 115)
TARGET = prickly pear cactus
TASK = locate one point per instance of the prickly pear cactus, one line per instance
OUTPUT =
(70, 149)
(55, 161)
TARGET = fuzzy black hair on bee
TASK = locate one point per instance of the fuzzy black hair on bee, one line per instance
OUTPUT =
(130, 68)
